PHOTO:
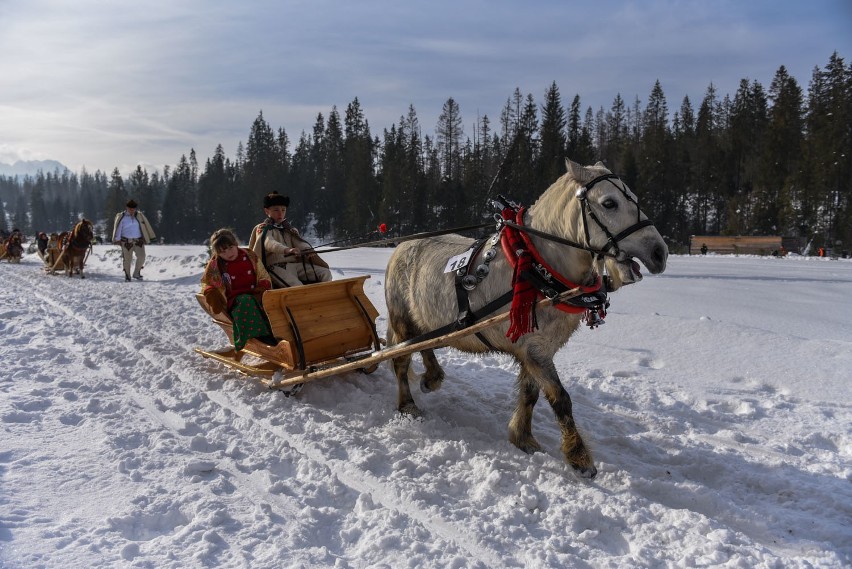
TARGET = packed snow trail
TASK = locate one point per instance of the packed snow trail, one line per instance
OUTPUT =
(122, 447)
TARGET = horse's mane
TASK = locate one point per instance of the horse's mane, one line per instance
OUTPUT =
(79, 227)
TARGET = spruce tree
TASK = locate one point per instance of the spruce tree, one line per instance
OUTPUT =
(259, 172)
(780, 158)
(116, 200)
(551, 162)
(361, 195)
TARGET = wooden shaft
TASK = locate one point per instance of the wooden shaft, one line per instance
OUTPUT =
(402, 350)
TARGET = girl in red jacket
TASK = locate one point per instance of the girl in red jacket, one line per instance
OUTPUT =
(234, 282)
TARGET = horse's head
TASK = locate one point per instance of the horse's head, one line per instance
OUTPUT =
(613, 223)
(83, 231)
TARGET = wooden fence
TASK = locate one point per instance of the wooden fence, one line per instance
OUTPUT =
(735, 245)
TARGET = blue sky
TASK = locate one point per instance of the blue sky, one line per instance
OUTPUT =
(115, 84)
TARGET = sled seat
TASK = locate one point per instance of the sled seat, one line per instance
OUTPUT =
(313, 324)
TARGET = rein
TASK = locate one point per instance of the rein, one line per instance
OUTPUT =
(411, 237)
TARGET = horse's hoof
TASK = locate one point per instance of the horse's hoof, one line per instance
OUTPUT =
(410, 410)
(527, 444)
(428, 384)
(586, 472)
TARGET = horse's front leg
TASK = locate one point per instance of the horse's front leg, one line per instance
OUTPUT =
(573, 447)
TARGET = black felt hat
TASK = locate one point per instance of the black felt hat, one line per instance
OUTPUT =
(275, 199)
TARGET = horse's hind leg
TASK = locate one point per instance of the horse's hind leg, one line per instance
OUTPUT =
(433, 377)
(405, 402)
(401, 367)
(520, 426)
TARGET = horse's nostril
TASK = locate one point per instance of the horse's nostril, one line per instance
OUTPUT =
(660, 255)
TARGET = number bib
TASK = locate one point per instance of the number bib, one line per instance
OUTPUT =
(458, 262)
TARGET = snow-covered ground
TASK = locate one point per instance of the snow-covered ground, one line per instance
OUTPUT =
(716, 400)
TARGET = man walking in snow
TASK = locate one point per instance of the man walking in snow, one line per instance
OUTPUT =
(132, 231)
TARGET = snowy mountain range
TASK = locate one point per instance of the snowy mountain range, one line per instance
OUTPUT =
(30, 167)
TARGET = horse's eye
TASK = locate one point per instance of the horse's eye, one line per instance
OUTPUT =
(609, 203)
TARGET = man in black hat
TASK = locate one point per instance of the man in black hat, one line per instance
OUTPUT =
(289, 259)
(132, 231)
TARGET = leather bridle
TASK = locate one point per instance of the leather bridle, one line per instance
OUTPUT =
(588, 212)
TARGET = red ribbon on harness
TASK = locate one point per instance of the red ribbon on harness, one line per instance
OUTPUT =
(522, 312)
(521, 253)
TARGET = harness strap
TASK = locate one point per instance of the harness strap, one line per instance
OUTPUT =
(474, 317)
(466, 317)
(633, 228)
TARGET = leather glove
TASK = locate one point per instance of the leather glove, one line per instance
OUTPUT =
(215, 301)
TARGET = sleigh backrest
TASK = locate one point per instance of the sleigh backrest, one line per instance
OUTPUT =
(324, 321)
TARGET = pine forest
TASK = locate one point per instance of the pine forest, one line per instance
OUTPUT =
(763, 161)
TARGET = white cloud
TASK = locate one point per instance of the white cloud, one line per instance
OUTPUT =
(104, 84)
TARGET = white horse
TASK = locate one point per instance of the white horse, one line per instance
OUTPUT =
(586, 220)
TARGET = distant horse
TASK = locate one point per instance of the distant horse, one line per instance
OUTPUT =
(13, 248)
(587, 220)
(75, 249)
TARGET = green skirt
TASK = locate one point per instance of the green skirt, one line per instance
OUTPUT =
(249, 320)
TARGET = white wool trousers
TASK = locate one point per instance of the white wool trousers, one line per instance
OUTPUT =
(297, 274)
(127, 255)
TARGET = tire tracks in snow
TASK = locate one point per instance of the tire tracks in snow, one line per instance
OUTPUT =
(354, 478)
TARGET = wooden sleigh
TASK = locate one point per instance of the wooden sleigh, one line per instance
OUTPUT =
(318, 326)
(327, 329)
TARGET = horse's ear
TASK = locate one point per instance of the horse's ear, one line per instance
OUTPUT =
(578, 172)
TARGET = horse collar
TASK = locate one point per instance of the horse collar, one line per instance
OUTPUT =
(514, 252)
(533, 276)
